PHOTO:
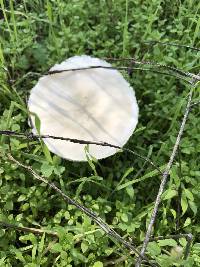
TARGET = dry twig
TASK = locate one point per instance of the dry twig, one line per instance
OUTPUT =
(31, 136)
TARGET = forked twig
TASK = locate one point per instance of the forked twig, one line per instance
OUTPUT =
(36, 137)
(104, 226)
(166, 174)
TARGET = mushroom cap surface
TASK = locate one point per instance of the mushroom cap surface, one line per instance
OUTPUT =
(92, 104)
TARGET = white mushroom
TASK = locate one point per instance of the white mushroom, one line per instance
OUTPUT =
(93, 104)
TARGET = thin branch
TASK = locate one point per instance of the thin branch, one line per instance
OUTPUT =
(31, 136)
(37, 231)
(166, 174)
(153, 69)
(133, 61)
(104, 226)
(172, 71)
(155, 64)
(180, 74)
(146, 159)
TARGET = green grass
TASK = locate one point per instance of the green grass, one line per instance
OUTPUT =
(34, 35)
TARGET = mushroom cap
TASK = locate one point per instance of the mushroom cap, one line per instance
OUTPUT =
(92, 104)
